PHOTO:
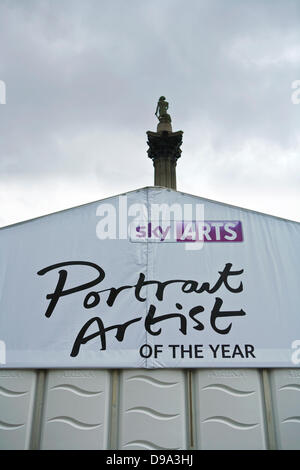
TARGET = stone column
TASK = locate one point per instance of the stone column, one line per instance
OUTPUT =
(164, 150)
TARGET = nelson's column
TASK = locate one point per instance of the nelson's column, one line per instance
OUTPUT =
(164, 147)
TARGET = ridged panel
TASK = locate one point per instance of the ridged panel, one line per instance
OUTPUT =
(76, 410)
(16, 408)
(285, 387)
(152, 410)
(229, 409)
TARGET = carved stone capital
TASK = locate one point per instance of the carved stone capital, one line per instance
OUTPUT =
(164, 145)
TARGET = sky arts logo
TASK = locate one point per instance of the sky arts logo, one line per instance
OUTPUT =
(140, 222)
(188, 231)
(210, 231)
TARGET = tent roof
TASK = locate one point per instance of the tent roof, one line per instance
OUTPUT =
(150, 188)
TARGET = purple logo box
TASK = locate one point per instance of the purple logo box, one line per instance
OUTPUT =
(209, 231)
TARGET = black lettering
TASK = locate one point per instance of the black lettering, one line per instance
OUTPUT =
(216, 313)
(237, 351)
(147, 353)
(193, 312)
(95, 299)
(189, 351)
(82, 339)
(214, 350)
(249, 349)
(114, 293)
(226, 350)
(189, 286)
(59, 292)
(150, 320)
(158, 348)
(223, 279)
(173, 347)
(198, 351)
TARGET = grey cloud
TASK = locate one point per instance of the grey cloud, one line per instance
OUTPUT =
(83, 79)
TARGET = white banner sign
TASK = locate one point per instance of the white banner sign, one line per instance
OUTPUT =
(153, 278)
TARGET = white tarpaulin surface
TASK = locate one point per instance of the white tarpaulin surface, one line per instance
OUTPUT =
(210, 286)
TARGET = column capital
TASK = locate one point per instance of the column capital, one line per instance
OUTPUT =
(164, 145)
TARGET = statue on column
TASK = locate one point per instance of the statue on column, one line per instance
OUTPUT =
(162, 115)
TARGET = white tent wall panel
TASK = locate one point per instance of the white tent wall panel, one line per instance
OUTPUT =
(285, 386)
(153, 410)
(150, 409)
(230, 409)
(17, 393)
(76, 411)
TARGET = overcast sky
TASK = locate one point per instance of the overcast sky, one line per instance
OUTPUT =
(83, 78)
